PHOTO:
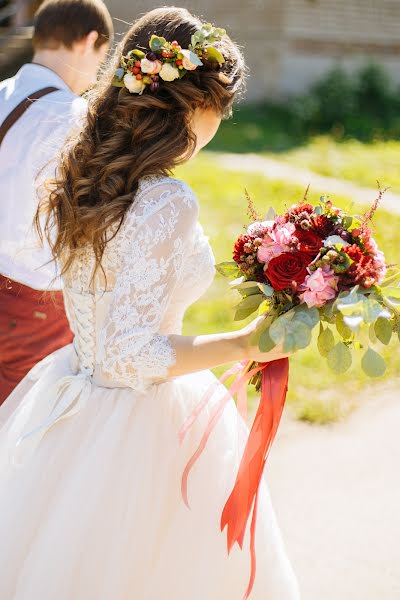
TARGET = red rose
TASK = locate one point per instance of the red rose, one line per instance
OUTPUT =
(286, 268)
(323, 225)
(310, 241)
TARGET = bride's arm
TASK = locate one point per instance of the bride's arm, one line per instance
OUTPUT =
(194, 353)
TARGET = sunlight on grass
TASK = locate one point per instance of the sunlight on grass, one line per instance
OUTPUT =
(315, 393)
(362, 163)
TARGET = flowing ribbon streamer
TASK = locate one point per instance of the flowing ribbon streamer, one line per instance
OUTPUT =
(244, 496)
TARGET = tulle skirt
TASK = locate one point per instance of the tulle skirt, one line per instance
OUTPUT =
(92, 510)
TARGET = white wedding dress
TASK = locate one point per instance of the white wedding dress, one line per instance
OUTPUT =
(90, 463)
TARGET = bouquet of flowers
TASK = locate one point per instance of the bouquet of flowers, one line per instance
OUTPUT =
(317, 265)
(313, 265)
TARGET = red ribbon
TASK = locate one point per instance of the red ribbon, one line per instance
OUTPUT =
(242, 501)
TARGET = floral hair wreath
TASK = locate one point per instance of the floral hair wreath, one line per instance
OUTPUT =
(167, 60)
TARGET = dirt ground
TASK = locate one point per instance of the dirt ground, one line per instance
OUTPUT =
(336, 493)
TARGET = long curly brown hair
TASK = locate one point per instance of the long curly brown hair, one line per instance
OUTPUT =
(128, 136)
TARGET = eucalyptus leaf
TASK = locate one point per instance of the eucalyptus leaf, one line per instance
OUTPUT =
(353, 321)
(192, 57)
(326, 341)
(156, 43)
(266, 343)
(291, 333)
(228, 269)
(318, 210)
(383, 330)
(372, 310)
(343, 330)
(267, 290)
(339, 358)
(373, 364)
(310, 316)
(372, 334)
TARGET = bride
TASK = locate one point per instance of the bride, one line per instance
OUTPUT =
(90, 464)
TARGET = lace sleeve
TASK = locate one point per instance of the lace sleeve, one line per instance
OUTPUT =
(153, 241)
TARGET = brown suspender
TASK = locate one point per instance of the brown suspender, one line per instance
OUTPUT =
(21, 108)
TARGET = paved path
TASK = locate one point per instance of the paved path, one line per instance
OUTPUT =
(336, 489)
(336, 492)
(276, 169)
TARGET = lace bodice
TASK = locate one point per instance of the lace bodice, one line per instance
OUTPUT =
(156, 266)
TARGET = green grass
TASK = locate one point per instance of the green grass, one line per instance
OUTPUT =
(365, 164)
(259, 128)
(315, 393)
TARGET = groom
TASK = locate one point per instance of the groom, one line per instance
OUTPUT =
(37, 109)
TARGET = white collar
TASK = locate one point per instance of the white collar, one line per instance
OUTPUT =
(43, 75)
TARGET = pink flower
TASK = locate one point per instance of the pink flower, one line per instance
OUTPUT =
(276, 241)
(319, 287)
(378, 258)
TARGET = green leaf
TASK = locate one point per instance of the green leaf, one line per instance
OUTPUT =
(343, 330)
(266, 343)
(245, 288)
(228, 269)
(182, 73)
(392, 292)
(347, 222)
(373, 364)
(117, 83)
(372, 334)
(156, 43)
(326, 342)
(247, 306)
(267, 290)
(215, 55)
(264, 307)
(291, 333)
(137, 53)
(383, 330)
(339, 358)
(318, 210)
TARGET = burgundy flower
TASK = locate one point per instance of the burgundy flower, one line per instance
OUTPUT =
(310, 242)
(238, 250)
(363, 270)
(322, 225)
(286, 268)
(297, 209)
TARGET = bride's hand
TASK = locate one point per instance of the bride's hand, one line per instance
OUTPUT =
(251, 335)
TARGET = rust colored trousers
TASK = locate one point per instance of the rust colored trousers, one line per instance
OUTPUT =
(33, 324)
